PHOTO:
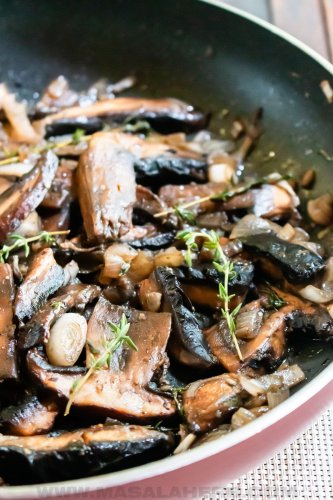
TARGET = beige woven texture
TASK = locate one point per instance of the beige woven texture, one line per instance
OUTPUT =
(304, 470)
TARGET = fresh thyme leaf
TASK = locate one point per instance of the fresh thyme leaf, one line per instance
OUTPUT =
(176, 391)
(57, 306)
(124, 269)
(139, 126)
(274, 300)
(184, 214)
(77, 135)
(224, 265)
(20, 242)
(111, 344)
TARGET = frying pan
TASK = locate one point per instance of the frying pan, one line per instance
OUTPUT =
(215, 58)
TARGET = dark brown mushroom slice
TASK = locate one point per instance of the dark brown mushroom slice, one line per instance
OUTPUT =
(58, 221)
(44, 277)
(208, 403)
(120, 391)
(269, 345)
(156, 171)
(80, 453)
(187, 343)
(31, 416)
(298, 264)
(25, 195)
(8, 360)
(107, 189)
(119, 108)
(37, 330)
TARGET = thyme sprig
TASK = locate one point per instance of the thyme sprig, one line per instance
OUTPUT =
(224, 195)
(20, 242)
(222, 264)
(120, 336)
(77, 137)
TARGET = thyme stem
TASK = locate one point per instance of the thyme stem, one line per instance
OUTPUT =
(222, 264)
(22, 242)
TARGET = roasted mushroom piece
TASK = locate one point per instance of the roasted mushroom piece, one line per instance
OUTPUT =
(121, 390)
(119, 108)
(37, 330)
(208, 403)
(187, 343)
(33, 415)
(8, 360)
(44, 277)
(268, 346)
(17, 202)
(297, 263)
(106, 183)
(83, 452)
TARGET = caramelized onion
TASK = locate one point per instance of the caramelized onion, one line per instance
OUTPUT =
(248, 323)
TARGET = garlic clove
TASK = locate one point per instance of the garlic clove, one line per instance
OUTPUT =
(67, 339)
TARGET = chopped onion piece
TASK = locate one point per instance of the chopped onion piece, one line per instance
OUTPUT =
(31, 226)
(169, 258)
(324, 294)
(251, 385)
(287, 378)
(185, 444)
(274, 398)
(250, 225)
(241, 417)
(16, 169)
(317, 295)
(248, 323)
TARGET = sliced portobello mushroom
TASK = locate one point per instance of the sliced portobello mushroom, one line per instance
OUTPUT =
(25, 195)
(8, 359)
(268, 346)
(208, 403)
(154, 242)
(37, 330)
(33, 415)
(119, 108)
(44, 277)
(205, 273)
(120, 390)
(187, 343)
(84, 452)
(297, 263)
(158, 170)
(107, 189)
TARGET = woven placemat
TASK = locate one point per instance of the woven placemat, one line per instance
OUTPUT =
(303, 470)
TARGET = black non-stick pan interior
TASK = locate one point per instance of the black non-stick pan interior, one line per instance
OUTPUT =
(183, 48)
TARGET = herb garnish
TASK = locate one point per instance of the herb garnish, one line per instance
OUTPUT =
(77, 137)
(57, 306)
(185, 215)
(274, 301)
(223, 265)
(119, 338)
(22, 242)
